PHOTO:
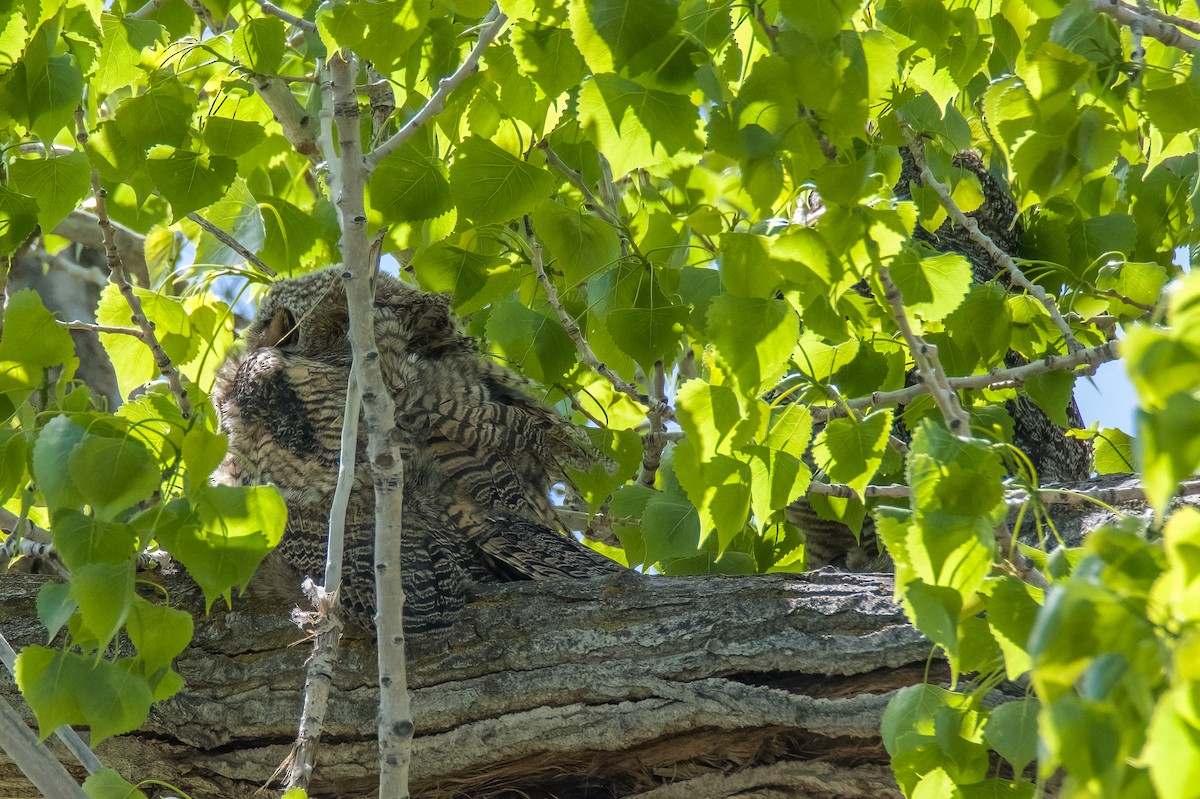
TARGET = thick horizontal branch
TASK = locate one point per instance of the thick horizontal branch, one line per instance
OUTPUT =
(1151, 25)
(609, 686)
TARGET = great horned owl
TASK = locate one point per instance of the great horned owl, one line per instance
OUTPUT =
(480, 455)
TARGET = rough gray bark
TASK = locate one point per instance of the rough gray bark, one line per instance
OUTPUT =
(766, 686)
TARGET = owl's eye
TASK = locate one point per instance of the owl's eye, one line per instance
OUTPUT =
(282, 331)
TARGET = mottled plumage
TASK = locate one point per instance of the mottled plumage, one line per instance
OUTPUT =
(480, 455)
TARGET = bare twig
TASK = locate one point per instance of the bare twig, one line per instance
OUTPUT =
(35, 761)
(1158, 28)
(493, 23)
(379, 413)
(64, 264)
(291, 19)
(94, 328)
(75, 745)
(652, 445)
(231, 243)
(146, 11)
(325, 622)
(929, 368)
(589, 357)
(383, 103)
(983, 240)
(84, 228)
(591, 201)
(1010, 377)
(116, 272)
(298, 126)
(5, 267)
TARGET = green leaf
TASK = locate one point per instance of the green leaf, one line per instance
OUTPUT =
(713, 419)
(410, 185)
(224, 536)
(381, 33)
(31, 334)
(258, 44)
(103, 592)
(1169, 439)
(162, 115)
(1012, 730)
(1141, 282)
(1053, 392)
(18, 218)
(107, 784)
(647, 333)
(753, 337)
(54, 444)
(582, 244)
(490, 185)
(932, 286)
(1011, 613)
(189, 181)
(120, 50)
(131, 359)
(535, 342)
(548, 56)
(1112, 452)
(746, 266)
(82, 541)
(53, 85)
(1172, 750)
(1168, 108)
(231, 137)
(58, 184)
(777, 479)
(671, 528)
(14, 452)
(624, 447)
(68, 688)
(719, 487)
(636, 127)
(471, 277)
(55, 607)
(610, 33)
(851, 450)
(112, 474)
(159, 633)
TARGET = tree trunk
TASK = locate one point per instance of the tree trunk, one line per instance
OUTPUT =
(658, 687)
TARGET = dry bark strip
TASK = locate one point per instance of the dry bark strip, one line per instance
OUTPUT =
(766, 686)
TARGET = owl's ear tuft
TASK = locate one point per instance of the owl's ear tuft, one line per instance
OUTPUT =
(282, 331)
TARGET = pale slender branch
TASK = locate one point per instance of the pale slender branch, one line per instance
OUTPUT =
(116, 271)
(929, 367)
(1009, 377)
(1116, 295)
(35, 761)
(1161, 30)
(383, 103)
(5, 268)
(843, 491)
(383, 452)
(291, 19)
(983, 240)
(298, 126)
(1179, 22)
(84, 228)
(75, 745)
(15, 546)
(652, 446)
(493, 23)
(207, 18)
(66, 265)
(94, 328)
(585, 351)
(231, 243)
(324, 621)
(591, 201)
(146, 11)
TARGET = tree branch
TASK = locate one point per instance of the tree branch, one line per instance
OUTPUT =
(116, 272)
(983, 240)
(493, 23)
(232, 243)
(1152, 25)
(1007, 378)
(585, 351)
(379, 412)
(291, 19)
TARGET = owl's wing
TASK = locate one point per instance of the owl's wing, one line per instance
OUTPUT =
(520, 548)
